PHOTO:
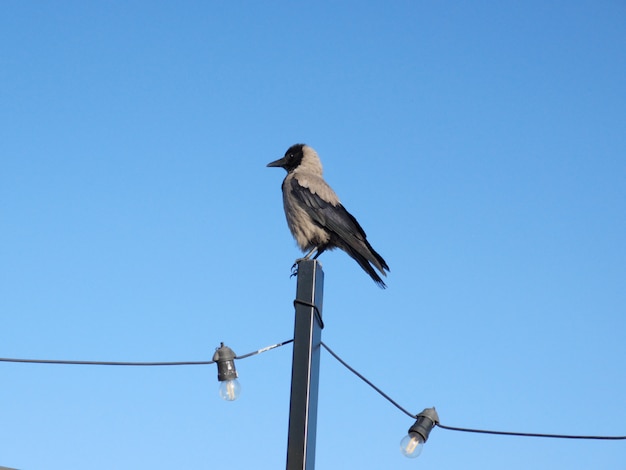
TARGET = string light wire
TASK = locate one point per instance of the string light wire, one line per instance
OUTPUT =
(340, 360)
(452, 428)
(360, 376)
(530, 434)
(141, 364)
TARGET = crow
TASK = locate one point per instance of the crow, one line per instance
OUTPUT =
(315, 216)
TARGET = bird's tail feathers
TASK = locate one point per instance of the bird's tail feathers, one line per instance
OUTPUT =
(364, 255)
(375, 258)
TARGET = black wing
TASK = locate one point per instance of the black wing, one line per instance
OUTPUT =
(346, 232)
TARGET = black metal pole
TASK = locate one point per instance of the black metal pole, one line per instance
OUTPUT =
(306, 365)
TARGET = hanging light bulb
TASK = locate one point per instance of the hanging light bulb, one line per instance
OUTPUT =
(230, 388)
(412, 444)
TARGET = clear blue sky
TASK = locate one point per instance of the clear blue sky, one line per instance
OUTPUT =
(482, 146)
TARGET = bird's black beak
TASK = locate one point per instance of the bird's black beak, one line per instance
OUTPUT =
(278, 163)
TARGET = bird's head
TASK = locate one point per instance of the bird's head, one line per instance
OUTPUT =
(299, 157)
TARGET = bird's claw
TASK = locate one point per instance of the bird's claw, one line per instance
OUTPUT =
(294, 268)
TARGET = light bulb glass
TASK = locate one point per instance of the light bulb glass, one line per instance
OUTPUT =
(230, 389)
(411, 445)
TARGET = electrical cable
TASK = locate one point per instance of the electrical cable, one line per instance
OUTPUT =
(530, 434)
(339, 359)
(451, 428)
(318, 315)
(105, 363)
(267, 348)
(115, 363)
(387, 397)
